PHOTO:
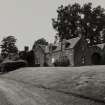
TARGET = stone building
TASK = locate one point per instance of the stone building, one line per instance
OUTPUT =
(40, 54)
(76, 49)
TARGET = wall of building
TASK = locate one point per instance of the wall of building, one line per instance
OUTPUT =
(56, 55)
(97, 50)
(81, 54)
(82, 50)
(48, 59)
(39, 56)
(70, 54)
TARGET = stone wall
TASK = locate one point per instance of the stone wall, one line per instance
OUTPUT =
(96, 50)
(39, 57)
(81, 54)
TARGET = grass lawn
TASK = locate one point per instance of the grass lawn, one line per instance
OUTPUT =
(88, 81)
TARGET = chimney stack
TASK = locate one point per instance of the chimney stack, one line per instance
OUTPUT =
(26, 48)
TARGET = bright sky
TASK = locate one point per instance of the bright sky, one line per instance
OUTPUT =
(29, 20)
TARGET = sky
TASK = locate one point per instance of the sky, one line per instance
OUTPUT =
(29, 20)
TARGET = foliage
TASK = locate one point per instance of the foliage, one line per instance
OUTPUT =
(7, 66)
(28, 56)
(8, 46)
(40, 41)
(45, 64)
(76, 20)
(23, 55)
(1, 59)
(31, 58)
(62, 61)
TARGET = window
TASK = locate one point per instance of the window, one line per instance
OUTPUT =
(67, 44)
(37, 60)
(54, 47)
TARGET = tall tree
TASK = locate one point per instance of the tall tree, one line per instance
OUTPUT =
(8, 46)
(74, 20)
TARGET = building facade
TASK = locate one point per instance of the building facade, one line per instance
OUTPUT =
(76, 49)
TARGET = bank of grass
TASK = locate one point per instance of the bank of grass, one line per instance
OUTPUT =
(84, 81)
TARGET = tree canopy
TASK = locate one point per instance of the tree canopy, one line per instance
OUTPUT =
(41, 41)
(8, 46)
(76, 20)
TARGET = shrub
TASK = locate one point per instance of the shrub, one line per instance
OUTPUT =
(45, 64)
(12, 65)
(62, 61)
(1, 59)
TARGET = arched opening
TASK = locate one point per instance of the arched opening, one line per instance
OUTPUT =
(96, 59)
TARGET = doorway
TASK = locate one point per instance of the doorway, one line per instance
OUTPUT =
(96, 59)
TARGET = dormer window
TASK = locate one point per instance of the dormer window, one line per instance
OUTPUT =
(54, 47)
(67, 45)
(88, 41)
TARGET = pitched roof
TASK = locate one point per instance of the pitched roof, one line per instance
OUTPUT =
(101, 46)
(73, 42)
(57, 48)
(43, 47)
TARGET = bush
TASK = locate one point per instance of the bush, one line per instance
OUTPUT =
(12, 65)
(1, 59)
(45, 64)
(62, 61)
(56, 63)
